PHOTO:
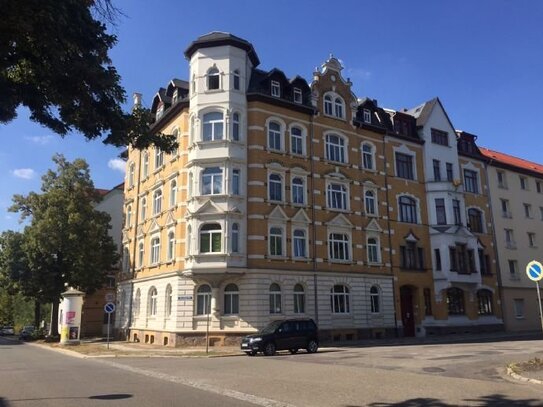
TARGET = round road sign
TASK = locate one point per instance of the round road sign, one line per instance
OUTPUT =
(109, 307)
(534, 270)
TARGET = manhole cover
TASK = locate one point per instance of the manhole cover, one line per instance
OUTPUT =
(433, 370)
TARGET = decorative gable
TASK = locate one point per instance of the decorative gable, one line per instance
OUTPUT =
(373, 225)
(153, 227)
(278, 214)
(300, 217)
(170, 220)
(411, 237)
(340, 221)
(209, 208)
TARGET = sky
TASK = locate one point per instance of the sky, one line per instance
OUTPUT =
(483, 59)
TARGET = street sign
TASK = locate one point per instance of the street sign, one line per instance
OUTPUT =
(184, 298)
(534, 270)
(109, 307)
(109, 297)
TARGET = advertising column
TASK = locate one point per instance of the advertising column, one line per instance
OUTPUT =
(70, 316)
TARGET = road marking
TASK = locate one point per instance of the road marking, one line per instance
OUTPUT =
(250, 398)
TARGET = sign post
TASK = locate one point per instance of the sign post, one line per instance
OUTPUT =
(109, 308)
(534, 271)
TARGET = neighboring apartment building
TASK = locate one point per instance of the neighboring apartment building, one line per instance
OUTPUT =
(517, 209)
(292, 199)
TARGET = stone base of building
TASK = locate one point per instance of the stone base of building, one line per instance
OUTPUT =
(463, 329)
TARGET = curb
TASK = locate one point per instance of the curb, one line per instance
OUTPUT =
(514, 375)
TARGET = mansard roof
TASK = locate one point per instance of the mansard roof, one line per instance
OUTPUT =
(218, 39)
(467, 146)
(380, 120)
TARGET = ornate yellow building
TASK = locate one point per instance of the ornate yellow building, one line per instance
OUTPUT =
(284, 199)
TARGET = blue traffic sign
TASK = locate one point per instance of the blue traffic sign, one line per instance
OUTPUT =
(534, 270)
(109, 307)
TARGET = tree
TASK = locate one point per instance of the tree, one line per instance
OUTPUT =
(67, 241)
(54, 60)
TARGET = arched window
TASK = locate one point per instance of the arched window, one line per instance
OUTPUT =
(276, 241)
(339, 299)
(338, 247)
(299, 243)
(475, 220)
(231, 300)
(203, 300)
(168, 301)
(159, 158)
(235, 127)
(152, 304)
(213, 126)
(373, 250)
(369, 202)
(375, 302)
(131, 171)
(213, 79)
(143, 210)
(129, 216)
(190, 183)
(155, 250)
(455, 301)
(189, 241)
(484, 299)
(274, 136)
(235, 238)
(157, 202)
(145, 166)
(408, 209)
(368, 161)
(298, 195)
(275, 187)
(328, 110)
(296, 141)
(336, 196)
(192, 133)
(212, 181)
(173, 193)
(299, 299)
(126, 260)
(275, 299)
(137, 303)
(171, 245)
(141, 254)
(210, 238)
(338, 108)
(236, 78)
(335, 148)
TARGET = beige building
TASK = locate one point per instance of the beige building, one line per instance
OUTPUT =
(516, 187)
(284, 199)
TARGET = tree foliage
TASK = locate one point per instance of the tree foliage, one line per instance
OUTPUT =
(67, 241)
(54, 60)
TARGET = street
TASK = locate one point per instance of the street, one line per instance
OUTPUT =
(417, 375)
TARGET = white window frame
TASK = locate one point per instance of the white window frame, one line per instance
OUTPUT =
(213, 72)
(234, 242)
(277, 135)
(274, 237)
(159, 158)
(347, 245)
(375, 299)
(275, 299)
(211, 233)
(337, 299)
(375, 211)
(212, 178)
(131, 172)
(236, 181)
(128, 216)
(141, 253)
(295, 188)
(236, 126)
(157, 201)
(171, 245)
(275, 89)
(333, 192)
(301, 137)
(145, 165)
(328, 105)
(370, 154)
(173, 193)
(231, 299)
(299, 298)
(297, 238)
(373, 250)
(236, 75)
(297, 96)
(366, 115)
(152, 304)
(215, 125)
(155, 250)
(203, 300)
(168, 299)
(340, 148)
(282, 185)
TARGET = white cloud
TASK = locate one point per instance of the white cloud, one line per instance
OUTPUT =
(117, 164)
(24, 173)
(41, 140)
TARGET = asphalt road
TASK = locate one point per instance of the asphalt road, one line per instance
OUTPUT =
(34, 376)
(419, 375)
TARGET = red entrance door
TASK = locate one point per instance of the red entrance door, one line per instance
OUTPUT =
(408, 319)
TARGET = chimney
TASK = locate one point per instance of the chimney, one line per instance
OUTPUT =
(137, 99)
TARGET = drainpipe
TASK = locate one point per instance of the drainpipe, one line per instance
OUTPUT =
(137, 103)
(495, 241)
(396, 333)
(314, 228)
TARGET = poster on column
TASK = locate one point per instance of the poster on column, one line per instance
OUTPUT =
(70, 317)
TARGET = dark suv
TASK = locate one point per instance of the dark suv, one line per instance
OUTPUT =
(289, 334)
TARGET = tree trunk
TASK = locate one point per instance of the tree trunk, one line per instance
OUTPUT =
(37, 314)
(53, 330)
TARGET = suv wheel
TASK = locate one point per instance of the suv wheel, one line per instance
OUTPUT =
(312, 346)
(269, 349)
(251, 353)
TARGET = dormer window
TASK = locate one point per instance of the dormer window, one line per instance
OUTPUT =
(275, 89)
(367, 116)
(159, 111)
(297, 95)
(236, 80)
(213, 79)
(175, 96)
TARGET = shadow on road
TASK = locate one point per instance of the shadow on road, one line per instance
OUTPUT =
(493, 400)
(119, 396)
(8, 341)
